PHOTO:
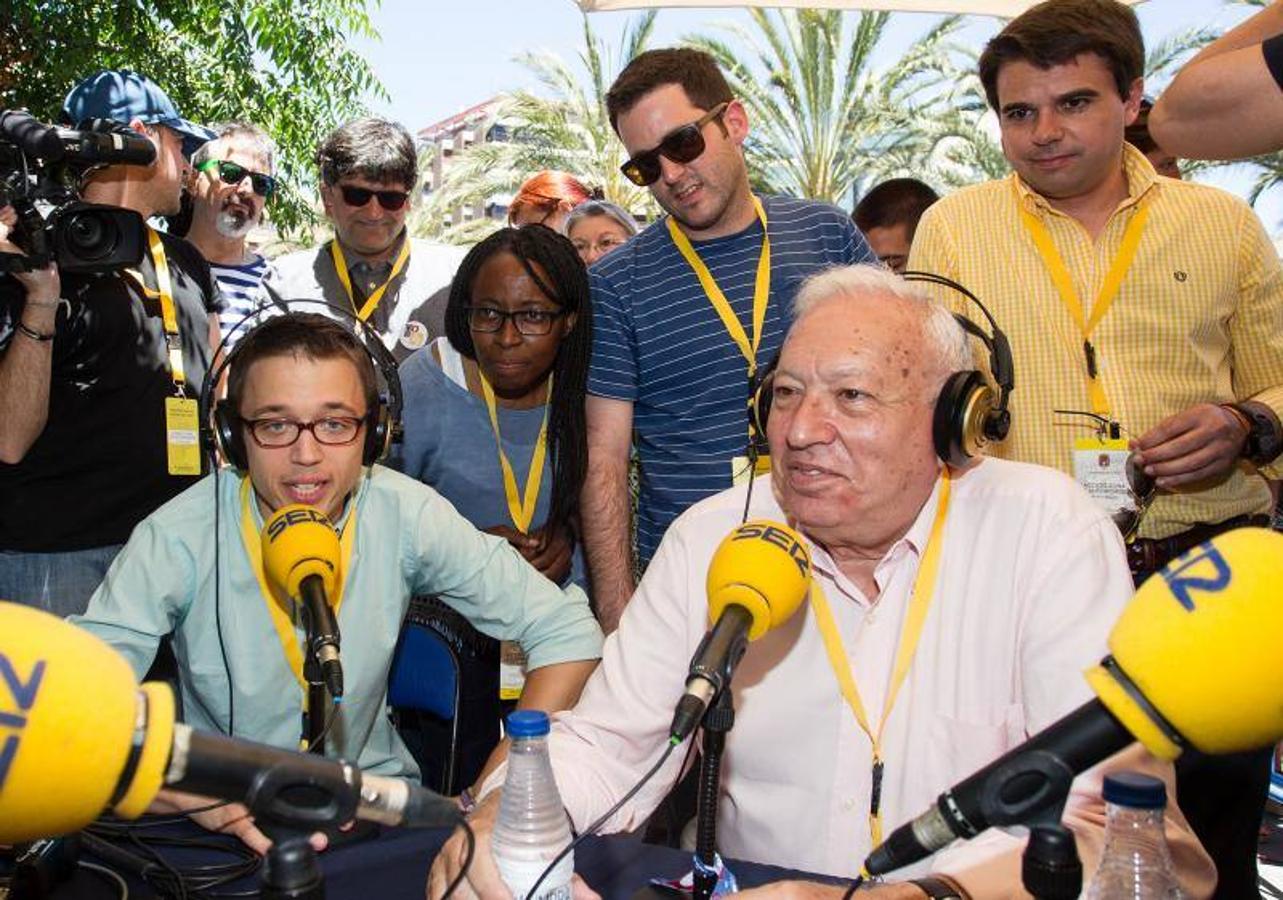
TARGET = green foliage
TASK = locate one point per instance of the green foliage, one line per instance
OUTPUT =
(567, 130)
(282, 64)
(823, 121)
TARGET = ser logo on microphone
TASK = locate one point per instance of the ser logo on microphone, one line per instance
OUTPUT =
(16, 702)
(295, 517)
(1202, 569)
(780, 538)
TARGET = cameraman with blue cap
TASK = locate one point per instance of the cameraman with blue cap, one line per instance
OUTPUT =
(100, 367)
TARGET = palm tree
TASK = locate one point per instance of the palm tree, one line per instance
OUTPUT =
(569, 131)
(822, 119)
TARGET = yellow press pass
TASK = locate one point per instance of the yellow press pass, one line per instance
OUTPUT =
(182, 435)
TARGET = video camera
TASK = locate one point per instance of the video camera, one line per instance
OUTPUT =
(40, 169)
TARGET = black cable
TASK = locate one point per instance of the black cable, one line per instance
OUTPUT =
(467, 860)
(110, 874)
(854, 886)
(592, 829)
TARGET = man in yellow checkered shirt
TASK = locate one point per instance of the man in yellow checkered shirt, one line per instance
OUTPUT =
(1150, 308)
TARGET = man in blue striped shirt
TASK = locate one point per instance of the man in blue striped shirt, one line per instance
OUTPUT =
(685, 312)
(232, 177)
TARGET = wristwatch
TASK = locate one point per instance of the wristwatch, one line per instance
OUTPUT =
(940, 888)
(1264, 441)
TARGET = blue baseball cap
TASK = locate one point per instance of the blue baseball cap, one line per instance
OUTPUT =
(122, 96)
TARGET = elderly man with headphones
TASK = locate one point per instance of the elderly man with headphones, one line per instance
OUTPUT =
(954, 603)
(305, 422)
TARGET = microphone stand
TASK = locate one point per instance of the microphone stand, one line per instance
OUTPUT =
(718, 720)
(316, 702)
(290, 870)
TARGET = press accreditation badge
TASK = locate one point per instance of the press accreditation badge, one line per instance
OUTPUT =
(1100, 466)
(182, 435)
(742, 470)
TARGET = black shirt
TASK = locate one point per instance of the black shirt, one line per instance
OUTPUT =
(1272, 48)
(100, 465)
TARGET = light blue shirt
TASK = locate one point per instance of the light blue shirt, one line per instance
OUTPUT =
(174, 578)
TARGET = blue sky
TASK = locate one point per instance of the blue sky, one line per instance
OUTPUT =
(437, 57)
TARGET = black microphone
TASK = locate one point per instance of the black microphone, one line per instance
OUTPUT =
(32, 136)
(1010, 790)
(300, 789)
(322, 632)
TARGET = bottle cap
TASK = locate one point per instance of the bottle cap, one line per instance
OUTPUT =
(1135, 790)
(1050, 866)
(527, 723)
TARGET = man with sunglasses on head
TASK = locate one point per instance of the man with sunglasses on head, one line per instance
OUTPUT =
(687, 311)
(232, 178)
(99, 370)
(368, 169)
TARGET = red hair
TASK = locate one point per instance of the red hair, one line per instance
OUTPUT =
(548, 190)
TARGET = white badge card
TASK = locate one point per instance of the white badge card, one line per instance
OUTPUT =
(1100, 466)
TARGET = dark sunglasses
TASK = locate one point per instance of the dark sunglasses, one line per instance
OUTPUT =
(234, 173)
(682, 145)
(359, 196)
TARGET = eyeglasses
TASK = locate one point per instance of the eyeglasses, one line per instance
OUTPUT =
(333, 431)
(234, 173)
(359, 196)
(530, 322)
(604, 245)
(681, 145)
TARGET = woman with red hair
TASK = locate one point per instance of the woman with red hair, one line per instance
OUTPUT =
(546, 199)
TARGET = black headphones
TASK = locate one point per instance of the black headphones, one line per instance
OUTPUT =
(220, 430)
(968, 412)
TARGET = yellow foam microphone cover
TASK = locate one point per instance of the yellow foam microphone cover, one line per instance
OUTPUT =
(68, 706)
(1200, 642)
(763, 566)
(298, 540)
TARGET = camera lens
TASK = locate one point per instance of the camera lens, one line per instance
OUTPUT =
(91, 236)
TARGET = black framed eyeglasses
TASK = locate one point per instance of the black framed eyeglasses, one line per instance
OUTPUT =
(682, 145)
(333, 431)
(359, 196)
(234, 173)
(530, 322)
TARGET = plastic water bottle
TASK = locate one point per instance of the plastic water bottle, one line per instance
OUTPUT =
(532, 827)
(1135, 862)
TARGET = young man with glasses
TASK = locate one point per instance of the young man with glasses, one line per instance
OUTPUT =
(99, 370)
(397, 285)
(233, 176)
(687, 311)
(302, 398)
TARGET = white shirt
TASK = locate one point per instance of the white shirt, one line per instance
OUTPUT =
(1032, 576)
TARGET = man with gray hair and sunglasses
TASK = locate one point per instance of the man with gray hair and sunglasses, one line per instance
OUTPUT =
(368, 170)
(233, 176)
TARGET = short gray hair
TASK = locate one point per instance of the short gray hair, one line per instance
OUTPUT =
(256, 136)
(866, 284)
(371, 148)
(601, 208)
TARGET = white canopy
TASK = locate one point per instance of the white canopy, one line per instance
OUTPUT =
(1003, 8)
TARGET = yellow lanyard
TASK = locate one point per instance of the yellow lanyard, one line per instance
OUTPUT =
(278, 605)
(1104, 299)
(761, 288)
(520, 508)
(168, 315)
(919, 603)
(372, 302)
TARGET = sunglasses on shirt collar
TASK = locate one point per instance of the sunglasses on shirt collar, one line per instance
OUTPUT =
(359, 196)
(681, 145)
(234, 173)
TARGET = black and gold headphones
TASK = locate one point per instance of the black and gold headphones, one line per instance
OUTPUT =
(968, 413)
(220, 429)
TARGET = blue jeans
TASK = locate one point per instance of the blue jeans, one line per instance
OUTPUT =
(60, 583)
